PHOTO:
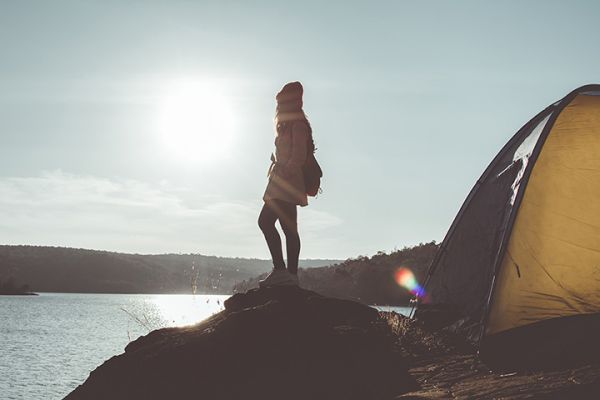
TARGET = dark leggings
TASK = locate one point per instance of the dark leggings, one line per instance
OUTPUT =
(287, 215)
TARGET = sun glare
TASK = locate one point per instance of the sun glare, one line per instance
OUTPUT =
(195, 121)
(182, 310)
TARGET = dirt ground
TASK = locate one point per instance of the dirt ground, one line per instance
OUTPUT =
(447, 368)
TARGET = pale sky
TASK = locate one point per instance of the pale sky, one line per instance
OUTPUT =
(409, 102)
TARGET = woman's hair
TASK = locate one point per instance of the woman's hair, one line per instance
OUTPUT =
(282, 126)
(289, 107)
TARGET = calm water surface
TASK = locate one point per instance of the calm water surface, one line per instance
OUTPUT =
(50, 343)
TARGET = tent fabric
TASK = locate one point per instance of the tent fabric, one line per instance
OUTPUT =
(460, 276)
(525, 246)
(551, 343)
(551, 267)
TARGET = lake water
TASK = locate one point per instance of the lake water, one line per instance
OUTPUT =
(50, 343)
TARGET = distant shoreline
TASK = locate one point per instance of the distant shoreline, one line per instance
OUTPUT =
(175, 294)
(138, 293)
(18, 294)
(68, 270)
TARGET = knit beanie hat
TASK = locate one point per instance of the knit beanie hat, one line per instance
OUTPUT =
(290, 97)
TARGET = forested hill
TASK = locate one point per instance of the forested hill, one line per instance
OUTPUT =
(59, 269)
(369, 280)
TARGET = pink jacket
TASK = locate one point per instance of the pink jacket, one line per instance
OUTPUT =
(286, 181)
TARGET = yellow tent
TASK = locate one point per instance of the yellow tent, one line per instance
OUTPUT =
(522, 258)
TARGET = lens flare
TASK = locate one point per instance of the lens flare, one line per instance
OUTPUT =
(405, 278)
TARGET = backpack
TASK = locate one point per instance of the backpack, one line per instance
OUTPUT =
(312, 170)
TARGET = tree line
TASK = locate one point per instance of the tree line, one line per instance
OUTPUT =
(61, 269)
(370, 280)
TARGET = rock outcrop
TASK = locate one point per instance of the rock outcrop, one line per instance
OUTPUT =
(278, 343)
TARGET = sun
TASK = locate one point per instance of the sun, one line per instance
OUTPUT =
(195, 121)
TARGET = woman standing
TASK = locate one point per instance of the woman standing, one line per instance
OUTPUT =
(285, 190)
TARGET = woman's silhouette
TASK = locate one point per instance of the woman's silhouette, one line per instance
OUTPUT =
(285, 189)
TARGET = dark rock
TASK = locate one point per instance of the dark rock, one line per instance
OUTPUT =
(278, 343)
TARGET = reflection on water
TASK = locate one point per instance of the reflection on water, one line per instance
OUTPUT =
(50, 343)
(159, 311)
(400, 310)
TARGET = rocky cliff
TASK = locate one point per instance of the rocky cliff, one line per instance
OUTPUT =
(279, 343)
